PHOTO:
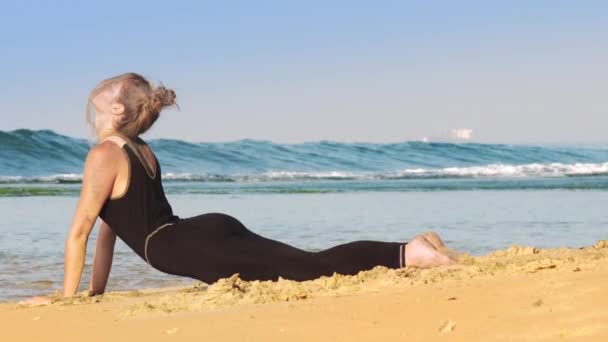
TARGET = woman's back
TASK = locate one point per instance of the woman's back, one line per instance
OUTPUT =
(142, 207)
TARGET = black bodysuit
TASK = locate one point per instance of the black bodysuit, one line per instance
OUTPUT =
(213, 245)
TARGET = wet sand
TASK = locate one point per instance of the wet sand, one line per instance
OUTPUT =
(519, 293)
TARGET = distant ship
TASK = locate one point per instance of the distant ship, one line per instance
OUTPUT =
(456, 135)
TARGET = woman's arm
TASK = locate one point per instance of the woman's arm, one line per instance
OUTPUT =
(102, 259)
(97, 183)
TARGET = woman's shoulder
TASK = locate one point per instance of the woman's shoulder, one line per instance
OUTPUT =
(107, 151)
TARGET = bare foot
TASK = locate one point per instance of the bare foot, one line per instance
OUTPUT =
(419, 252)
(438, 243)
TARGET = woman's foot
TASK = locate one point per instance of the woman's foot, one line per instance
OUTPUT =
(438, 243)
(420, 252)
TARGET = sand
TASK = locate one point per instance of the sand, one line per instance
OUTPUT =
(518, 294)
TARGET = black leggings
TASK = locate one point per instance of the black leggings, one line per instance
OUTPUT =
(211, 246)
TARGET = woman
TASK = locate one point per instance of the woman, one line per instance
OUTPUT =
(122, 186)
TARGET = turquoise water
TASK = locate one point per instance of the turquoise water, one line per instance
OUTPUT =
(46, 163)
(478, 197)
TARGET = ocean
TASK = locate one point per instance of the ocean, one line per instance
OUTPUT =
(313, 195)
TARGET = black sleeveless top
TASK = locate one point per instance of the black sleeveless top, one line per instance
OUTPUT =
(143, 206)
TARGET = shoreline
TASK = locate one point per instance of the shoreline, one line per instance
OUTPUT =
(518, 293)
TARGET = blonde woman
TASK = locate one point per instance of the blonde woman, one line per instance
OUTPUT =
(122, 186)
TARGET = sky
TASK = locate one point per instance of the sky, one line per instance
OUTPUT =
(295, 71)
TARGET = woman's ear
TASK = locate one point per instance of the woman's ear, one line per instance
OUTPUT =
(118, 108)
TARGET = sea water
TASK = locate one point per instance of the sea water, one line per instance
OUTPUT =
(478, 197)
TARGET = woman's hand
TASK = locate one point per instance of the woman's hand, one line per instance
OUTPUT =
(36, 301)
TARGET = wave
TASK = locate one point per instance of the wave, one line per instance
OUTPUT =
(43, 156)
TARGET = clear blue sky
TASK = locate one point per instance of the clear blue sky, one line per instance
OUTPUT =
(292, 71)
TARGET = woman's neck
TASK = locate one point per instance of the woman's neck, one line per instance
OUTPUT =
(106, 133)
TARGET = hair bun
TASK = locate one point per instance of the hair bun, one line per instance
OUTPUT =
(161, 97)
(165, 96)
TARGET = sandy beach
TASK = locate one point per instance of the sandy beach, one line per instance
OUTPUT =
(520, 293)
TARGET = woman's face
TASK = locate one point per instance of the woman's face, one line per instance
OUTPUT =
(107, 111)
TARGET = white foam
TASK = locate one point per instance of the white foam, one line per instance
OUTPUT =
(492, 170)
(503, 170)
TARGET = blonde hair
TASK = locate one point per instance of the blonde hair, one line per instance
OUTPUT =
(142, 101)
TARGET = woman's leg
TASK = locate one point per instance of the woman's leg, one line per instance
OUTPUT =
(257, 257)
(215, 245)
